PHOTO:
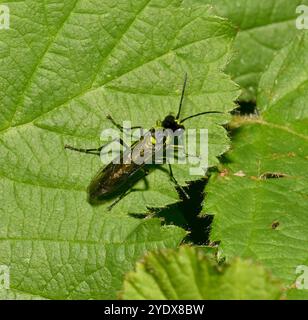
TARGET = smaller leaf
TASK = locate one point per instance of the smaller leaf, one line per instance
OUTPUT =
(187, 273)
(264, 27)
(260, 205)
(297, 294)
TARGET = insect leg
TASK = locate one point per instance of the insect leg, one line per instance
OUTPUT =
(95, 151)
(119, 126)
(146, 183)
(179, 147)
(125, 193)
(90, 151)
(176, 183)
(146, 171)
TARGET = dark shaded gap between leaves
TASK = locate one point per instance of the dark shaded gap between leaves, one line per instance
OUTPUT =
(245, 108)
(185, 214)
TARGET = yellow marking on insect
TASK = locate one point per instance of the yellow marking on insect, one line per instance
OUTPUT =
(153, 140)
(168, 139)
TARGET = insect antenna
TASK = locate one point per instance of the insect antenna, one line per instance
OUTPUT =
(182, 96)
(199, 114)
(181, 102)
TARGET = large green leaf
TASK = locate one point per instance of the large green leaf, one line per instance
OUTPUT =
(265, 26)
(70, 70)
(75, 255)
(261, 205)
(187, 274)
(64, 66)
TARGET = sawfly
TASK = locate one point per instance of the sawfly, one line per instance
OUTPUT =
(117, 179)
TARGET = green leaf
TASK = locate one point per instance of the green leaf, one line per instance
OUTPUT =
(61, 256)
(188, 274)
(70, 70)
(12, 294)
(296, 294)
(64, 66)
(260, 205)
(265, 26)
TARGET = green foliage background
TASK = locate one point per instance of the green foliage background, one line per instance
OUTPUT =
(65, 65)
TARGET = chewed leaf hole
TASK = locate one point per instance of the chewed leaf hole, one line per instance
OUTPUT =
(272, 175)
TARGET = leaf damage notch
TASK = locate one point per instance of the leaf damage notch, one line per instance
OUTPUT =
(272, 175)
